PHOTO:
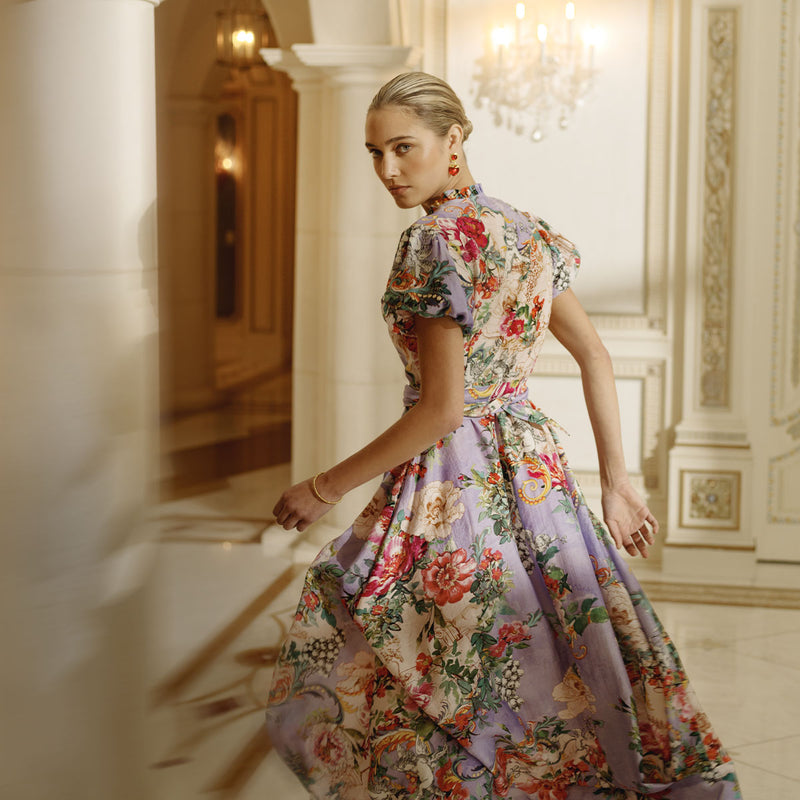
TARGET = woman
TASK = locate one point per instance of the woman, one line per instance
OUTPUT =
(475, 634)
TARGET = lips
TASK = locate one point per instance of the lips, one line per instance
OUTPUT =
(397, 189)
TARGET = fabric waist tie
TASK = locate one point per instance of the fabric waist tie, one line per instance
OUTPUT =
(499, 398)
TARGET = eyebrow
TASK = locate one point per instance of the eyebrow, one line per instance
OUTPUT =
(392, 140)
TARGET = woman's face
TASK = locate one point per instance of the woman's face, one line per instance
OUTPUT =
(409, 158)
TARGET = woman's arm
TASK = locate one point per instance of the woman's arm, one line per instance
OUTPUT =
(625, 513)
(439, 410)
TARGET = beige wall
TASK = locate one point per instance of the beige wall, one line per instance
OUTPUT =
(673, 200)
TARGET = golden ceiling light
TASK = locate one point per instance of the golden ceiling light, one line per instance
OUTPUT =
(243, 29)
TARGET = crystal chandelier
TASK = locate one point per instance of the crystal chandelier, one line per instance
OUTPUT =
(533, 73)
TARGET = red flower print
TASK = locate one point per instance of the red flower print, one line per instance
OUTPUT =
(497, 573)
(310, 600)
(281, 685)
(449, 577)
(489, 557)
(462, 719)
(449, 782)
(423, 664)
(493, 478)
(488, 287)
(713, 746)
(553, 585)
(513, 326)
(497, 650)
(418, 697)
(514, 632)
(399, 557)
(469, 250)
(473, 229)
(332, 749)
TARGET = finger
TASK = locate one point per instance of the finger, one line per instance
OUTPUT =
(630, 546)
(653, 523)
(640, 540)
(289, 522)
(647, 534)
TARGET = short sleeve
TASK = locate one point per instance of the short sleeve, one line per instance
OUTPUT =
(566, 258)
(425, 280)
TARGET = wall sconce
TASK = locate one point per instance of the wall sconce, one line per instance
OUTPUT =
(241, 33)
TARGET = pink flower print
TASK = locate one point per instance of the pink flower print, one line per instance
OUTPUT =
(398, 558)
(449, 577)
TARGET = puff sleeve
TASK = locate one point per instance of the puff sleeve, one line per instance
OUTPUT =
(425, 281)
(566, 258)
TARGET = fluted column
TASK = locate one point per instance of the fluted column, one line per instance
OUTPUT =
(77, 345)
(347, 377)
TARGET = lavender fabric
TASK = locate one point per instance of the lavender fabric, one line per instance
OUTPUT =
(475, 634)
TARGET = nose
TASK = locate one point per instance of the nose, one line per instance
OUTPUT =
(388, 167)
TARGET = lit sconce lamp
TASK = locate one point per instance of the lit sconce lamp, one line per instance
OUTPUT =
(241, 33)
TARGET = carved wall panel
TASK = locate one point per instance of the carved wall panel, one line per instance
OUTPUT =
(714, 383)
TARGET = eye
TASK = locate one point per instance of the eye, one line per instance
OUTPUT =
(375, 153)
(403, 148)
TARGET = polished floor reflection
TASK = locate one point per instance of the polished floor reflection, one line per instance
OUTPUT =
(226, 587)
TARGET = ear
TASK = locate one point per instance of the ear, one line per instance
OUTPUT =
(455, 136)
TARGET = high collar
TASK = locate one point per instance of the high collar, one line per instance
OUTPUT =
(473, 190)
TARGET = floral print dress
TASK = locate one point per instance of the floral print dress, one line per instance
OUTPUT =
(475, 634)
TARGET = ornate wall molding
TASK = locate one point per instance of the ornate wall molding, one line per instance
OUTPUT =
(651, 373)
(785, 372)
(784, 506)
(710, 499)
(720, 87)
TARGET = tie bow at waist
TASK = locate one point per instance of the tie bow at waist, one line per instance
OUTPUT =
(484, 401)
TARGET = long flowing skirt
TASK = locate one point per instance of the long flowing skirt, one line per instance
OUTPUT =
(475, 634)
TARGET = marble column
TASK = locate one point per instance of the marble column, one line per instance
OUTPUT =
(78, 397)
(347, 377)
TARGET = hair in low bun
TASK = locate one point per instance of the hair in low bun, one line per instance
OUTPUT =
(428, 97)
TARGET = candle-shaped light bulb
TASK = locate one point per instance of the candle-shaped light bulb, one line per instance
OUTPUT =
(541, 33)
(570, 14)
(501, 38)
(591, 38)
(518, 25)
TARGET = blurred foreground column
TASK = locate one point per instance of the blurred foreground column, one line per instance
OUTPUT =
(77, 349)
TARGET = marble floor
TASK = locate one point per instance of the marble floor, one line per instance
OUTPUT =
(226, 585)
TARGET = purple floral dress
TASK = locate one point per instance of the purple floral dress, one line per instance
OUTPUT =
(475, 634)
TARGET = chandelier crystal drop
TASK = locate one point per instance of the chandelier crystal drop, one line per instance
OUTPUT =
(533, 74)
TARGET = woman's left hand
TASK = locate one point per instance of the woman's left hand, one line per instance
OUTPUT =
(630, 522)
(298, 507)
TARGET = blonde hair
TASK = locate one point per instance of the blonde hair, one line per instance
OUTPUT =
(430, 98)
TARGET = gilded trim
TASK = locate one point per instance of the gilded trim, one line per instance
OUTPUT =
(714, 379)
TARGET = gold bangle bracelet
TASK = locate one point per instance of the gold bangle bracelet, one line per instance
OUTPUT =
(318, 495)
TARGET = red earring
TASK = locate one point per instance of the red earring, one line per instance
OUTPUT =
(454, 169)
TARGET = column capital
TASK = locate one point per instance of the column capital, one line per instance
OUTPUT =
(343, 63)
(288, 62)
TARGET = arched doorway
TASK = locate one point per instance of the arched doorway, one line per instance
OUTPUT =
(227, 155)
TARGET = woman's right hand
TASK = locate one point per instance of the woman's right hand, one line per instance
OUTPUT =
(298, 506)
